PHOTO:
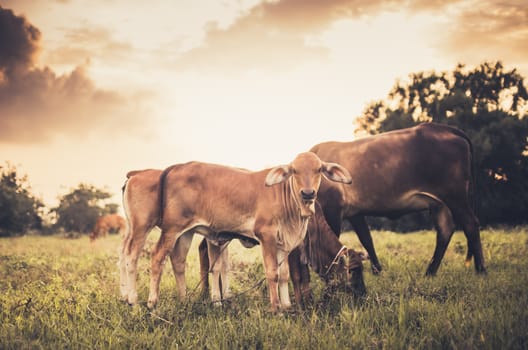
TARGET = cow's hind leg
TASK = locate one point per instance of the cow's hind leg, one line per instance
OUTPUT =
(123, 277)
(470, 224)
(164, 246)
(178, 258)
(224, 270)
(445, 226)
(130, 251)
(204, 267)
(363, 232)
(219, 268)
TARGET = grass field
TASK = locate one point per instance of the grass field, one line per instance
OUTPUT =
(58, 293)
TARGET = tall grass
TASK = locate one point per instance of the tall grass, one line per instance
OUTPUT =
(59, 293)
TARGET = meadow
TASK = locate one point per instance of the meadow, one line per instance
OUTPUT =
(59, 293)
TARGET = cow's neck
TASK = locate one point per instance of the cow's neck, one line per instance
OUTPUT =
(292, 225)
(321, 244)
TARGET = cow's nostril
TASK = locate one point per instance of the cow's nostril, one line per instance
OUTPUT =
(308, 194)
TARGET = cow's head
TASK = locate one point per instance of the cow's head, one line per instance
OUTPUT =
(93, 236)
(346, 272)
(305, 177)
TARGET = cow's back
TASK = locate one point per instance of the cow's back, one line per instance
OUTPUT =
(141, 197)
(115, 221)
(220, 197)
(390, 168)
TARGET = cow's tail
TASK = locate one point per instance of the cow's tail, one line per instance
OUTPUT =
(472, 191)
(473, 176)
(128, 176)
(161, 196)
(123, 194)
(124, 185)
(123, 189)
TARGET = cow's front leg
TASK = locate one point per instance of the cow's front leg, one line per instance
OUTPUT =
(284, 277)
(269, 254)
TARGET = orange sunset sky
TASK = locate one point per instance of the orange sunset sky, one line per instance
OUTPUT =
(90, 89)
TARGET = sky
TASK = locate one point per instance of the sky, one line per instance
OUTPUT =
(90, 89)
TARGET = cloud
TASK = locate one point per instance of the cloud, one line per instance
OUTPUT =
(270, 36)
(275, 35)
(37, 105)
(489, 30)
(86, 43)
(19, 40)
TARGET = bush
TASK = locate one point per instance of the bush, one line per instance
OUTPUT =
(19, 209)
(79, 209)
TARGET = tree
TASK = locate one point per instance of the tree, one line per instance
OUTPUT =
(19, 209)
(79, 209)
(490, 104)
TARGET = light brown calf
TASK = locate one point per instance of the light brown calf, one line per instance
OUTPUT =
(141, 200)
(106, 223)
(337, 265)
(272, 207)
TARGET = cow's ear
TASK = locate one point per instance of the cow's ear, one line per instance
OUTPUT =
(335, 172)
(278, 174)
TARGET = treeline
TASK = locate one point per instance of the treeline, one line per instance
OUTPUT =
(21, 212)
(488, 102)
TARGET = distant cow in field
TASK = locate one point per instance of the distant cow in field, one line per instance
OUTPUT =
(141, 200)
(427, 167)
(271, 207)
(107, 223)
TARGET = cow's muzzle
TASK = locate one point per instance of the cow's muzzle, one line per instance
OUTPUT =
(308, 194)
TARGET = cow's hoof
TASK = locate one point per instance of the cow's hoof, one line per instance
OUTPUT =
(132, 299)
(482, 271)
(151, 304)
(123, 297)
(376, 270)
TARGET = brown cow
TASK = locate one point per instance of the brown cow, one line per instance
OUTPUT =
(271, 207)
(427, 167)
(141, 200)
(107, 223)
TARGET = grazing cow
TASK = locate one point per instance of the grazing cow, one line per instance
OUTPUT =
(107, 223)
(328, 257)
(271, 207)
(426, 167)
(141, 200)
